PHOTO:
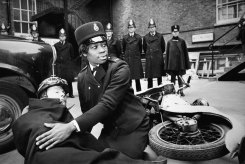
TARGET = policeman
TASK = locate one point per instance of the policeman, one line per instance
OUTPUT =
(132, 49)
(177, 58)
(35, 34)
(64, 64)
(241, 33)
(105, 96)
(114, 47)
(154, 47)
(3, 30)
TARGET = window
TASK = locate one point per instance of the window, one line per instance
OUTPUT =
(229, 11)
(23, 10)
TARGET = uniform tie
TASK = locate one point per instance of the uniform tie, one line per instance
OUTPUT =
(94, 71)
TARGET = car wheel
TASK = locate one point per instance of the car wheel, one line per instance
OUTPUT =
(12, 100)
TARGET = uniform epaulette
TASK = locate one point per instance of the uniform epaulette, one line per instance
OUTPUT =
(84, 68)
(114, 59)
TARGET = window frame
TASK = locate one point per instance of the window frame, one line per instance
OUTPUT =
(231, 20)
(28, 21)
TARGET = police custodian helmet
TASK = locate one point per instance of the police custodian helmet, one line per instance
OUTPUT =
(131, 24)
(151, 23)
(88, 33)
(52, 81)
(108, 27)
(62, 32)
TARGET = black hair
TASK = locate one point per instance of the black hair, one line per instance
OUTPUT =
(43, 94)
(83, 49)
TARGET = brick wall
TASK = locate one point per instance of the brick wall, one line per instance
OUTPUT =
(193, 16)
(96, 11)
(189, 14)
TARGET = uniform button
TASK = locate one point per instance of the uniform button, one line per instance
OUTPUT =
(89, 88)
(98, 86)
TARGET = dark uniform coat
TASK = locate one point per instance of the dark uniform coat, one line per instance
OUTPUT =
(154, 47)
(108, 98)
(64, 64)
(132, 48)
(114, 47)
(241, 35)
(79, 148)
(177, 58)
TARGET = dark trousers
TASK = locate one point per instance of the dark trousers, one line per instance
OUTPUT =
(150, 81)
(137, 84)
(132, 144)
(173, 79)
(70, 88)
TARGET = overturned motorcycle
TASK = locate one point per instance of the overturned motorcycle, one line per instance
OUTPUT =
(184, 131)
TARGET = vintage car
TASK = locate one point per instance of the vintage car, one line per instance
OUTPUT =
(23, 65)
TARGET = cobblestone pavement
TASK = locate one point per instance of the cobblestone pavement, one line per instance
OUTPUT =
(225, 96)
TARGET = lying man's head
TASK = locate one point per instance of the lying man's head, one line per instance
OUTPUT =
(53, 87)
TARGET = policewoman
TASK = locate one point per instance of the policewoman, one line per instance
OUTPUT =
(154, 47)
(114, 47)
(105, 96)
(132, 49)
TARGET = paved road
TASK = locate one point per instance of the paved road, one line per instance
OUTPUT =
(225, 96)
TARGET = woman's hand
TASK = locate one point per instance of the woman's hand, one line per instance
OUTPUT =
(58, 133)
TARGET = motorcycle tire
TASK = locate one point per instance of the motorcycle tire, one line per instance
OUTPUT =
(196, 152)
(12, 101)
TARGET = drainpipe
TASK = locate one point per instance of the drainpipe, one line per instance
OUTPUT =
(66, 18)
(110, 12)
(8, 10)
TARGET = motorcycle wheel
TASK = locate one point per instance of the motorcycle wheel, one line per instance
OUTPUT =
(167, 140)
(12, 100)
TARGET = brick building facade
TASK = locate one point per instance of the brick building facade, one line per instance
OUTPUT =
(199, 19)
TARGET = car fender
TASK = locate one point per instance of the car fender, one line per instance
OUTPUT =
(17, 77)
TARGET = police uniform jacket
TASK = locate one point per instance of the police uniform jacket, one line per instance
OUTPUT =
(154, 47)
(64, 64)
(132, 48)
(114, 47)
(177, 58)
(109, 99)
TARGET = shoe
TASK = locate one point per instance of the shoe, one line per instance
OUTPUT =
(71, 96)
(181, 92)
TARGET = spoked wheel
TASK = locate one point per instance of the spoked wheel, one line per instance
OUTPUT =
(12, 100)
(206, 143)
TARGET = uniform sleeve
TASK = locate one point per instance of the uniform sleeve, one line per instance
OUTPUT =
(123, 45)
(140, 44)
(187, 60)
(113, 95)
(167, 56)
(162, 44)
(72, 52)
(144, 45)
